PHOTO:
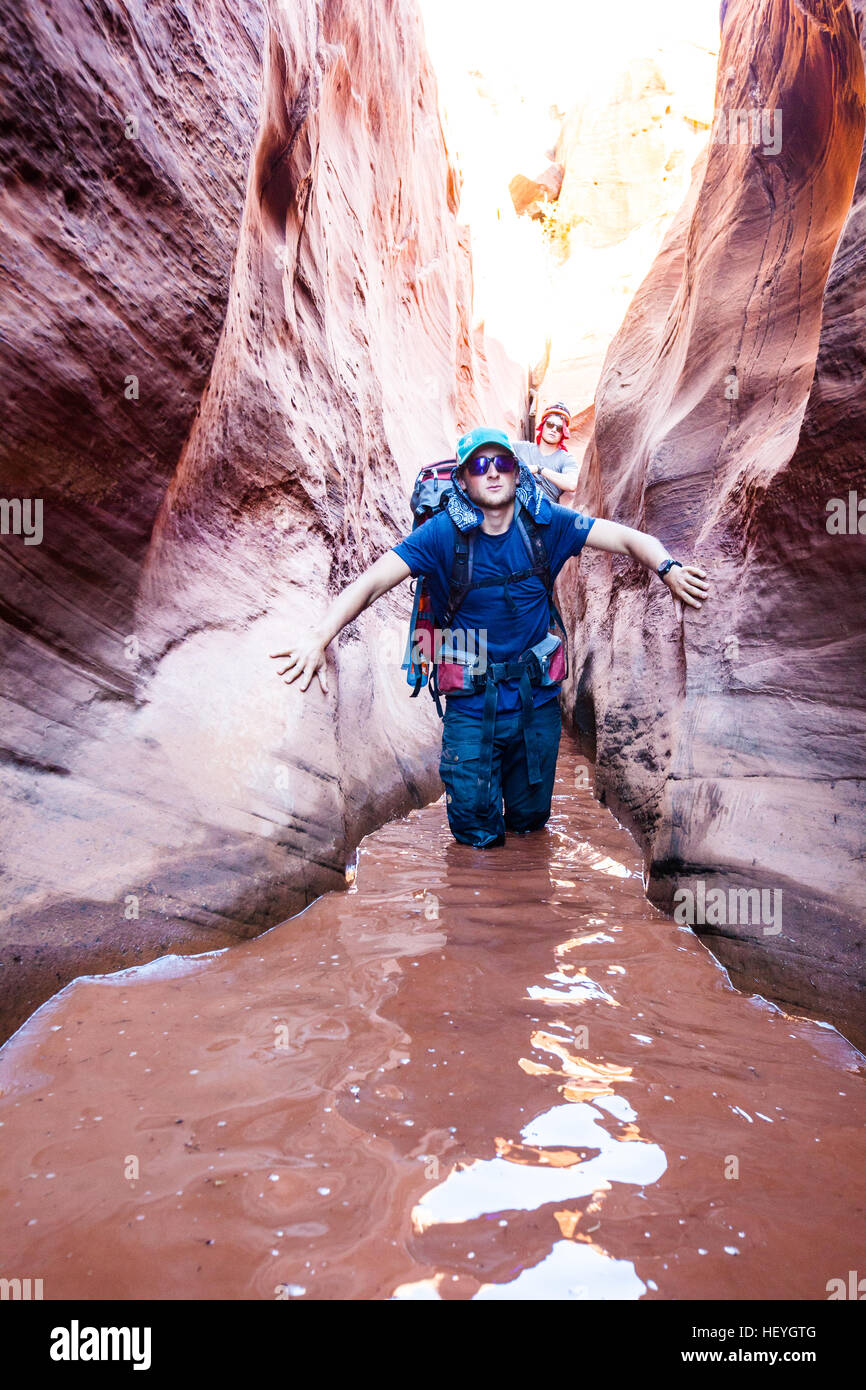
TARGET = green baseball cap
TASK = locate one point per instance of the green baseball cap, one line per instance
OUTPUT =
(468, 443)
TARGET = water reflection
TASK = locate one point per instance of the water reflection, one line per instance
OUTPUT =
(471, 1075)
(566, 1153)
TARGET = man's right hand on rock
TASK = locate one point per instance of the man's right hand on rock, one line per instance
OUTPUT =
(307, 659)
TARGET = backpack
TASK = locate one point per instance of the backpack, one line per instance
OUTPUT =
(428, 660)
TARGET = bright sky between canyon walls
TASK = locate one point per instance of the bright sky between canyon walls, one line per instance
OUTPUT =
(636, 82)
(558, 50)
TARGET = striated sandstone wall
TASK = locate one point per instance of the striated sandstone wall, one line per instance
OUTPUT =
(730, 411)
(250, 210)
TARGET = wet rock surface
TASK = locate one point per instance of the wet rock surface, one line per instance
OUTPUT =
(235, 329)
(728, 417)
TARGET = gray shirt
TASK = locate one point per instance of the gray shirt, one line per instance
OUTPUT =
(560, 462)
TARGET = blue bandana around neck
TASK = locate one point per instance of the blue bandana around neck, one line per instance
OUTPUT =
(466, 515)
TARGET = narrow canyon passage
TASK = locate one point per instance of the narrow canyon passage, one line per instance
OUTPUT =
(499, 1075)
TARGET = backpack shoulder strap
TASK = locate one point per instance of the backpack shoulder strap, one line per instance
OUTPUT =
(533, 539)
(460, 581)
(531, 534)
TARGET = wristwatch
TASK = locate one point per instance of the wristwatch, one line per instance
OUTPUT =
(666, 565)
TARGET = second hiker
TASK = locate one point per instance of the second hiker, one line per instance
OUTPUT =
(548, 459)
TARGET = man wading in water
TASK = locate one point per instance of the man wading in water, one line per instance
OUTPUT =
(501, 736)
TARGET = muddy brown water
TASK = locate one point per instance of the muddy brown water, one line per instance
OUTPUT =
(473, 1075)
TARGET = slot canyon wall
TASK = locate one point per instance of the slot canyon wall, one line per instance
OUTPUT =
(730, 412)
(237, 317)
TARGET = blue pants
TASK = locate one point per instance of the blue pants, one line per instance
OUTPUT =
(475, 813)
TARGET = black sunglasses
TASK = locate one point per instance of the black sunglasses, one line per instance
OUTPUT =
(478, 466)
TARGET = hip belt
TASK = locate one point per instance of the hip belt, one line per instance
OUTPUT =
(541, 665)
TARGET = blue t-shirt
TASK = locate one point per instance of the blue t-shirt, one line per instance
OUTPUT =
(430, 551)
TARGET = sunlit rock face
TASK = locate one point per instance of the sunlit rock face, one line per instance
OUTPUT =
(729, 416)
(625, 154)
(533, 195)
(627, 148)
(575, 134)
(234, 329)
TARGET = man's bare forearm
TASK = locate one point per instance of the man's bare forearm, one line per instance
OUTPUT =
(388, 571)
(306, 653)
(346, 607)
(647, 550)
(687, 582)
(625, 540)
(565, 482)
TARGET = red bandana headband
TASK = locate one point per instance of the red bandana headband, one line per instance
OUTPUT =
(565, 434)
